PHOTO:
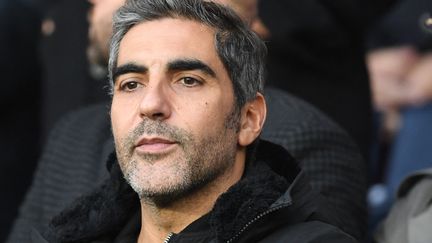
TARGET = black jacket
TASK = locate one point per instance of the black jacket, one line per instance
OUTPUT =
(273, 202)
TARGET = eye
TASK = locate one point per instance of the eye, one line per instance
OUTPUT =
(190, 82)
(129, 86)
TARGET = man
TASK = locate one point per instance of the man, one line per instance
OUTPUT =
(186, 113)
(74, 159)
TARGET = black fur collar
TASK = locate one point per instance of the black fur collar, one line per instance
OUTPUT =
(251, 196)
(100, 214)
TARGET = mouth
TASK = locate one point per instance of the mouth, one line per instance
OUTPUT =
(154, 145)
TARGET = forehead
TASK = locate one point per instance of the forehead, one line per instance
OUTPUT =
(169, 38)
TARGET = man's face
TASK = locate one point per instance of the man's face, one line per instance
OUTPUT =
(100, 28)
(172, 112)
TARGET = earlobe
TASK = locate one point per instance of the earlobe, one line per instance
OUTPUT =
(252, 120)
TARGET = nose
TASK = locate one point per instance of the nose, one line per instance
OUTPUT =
(155, 103)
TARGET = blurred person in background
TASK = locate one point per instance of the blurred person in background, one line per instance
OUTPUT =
(410, 217)
(19, 101)
(68, 82)
(400, 64)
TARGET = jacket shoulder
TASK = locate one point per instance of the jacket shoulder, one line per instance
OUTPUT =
(309, 232)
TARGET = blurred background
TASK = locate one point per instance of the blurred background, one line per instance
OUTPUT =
(45, 74)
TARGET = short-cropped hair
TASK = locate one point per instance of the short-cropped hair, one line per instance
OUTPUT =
(241, 51)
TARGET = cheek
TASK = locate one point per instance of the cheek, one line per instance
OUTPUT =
(120, 118)
(205, 118)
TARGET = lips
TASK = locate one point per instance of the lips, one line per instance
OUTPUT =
(154, 145)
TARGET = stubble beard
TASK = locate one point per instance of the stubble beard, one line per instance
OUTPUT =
(200, 162)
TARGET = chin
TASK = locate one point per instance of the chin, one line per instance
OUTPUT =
(165, 189)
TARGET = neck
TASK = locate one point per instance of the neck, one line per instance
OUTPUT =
(157, 223)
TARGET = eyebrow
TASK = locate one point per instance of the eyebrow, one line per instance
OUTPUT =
(190, 64)
(128, 68)
(175, 65)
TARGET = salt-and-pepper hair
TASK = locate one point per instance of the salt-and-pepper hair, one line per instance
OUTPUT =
(242, 52)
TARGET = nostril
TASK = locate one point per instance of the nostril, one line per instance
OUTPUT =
(158, 115)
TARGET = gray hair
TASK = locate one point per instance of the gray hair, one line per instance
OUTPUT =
(242, 52)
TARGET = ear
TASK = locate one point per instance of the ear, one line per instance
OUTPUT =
(252, 120)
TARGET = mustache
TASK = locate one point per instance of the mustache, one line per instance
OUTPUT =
(152, 127)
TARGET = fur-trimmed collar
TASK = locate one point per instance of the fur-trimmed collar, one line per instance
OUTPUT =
(103, 213)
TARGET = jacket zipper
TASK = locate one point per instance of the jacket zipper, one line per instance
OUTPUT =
(258, 217)
(168, 238)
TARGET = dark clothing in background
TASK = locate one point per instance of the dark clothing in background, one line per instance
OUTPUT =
(67, 84)
(19, 105)
(403, 25)
(74, 162)
(316, 53)
(273, 202)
